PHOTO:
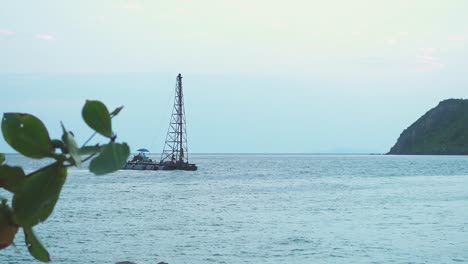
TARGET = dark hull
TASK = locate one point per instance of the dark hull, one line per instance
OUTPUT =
(159, 166)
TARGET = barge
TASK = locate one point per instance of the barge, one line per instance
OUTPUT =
(175, 152)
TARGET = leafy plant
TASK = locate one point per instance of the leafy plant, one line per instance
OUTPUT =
(35, 194)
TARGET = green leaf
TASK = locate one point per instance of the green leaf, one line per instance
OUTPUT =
(27, 135)
(11, 178)
(116, 111)
(7, 229)
(97, 117)
(36, 249)
(2, 158)
(112, 158)
(39, 194)
(71, 145)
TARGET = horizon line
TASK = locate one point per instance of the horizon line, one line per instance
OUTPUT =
(262, 153)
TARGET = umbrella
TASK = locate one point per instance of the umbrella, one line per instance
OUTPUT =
(143, 150)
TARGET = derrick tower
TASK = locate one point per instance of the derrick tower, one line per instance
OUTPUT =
(175, 147)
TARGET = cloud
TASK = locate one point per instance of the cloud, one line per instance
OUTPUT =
(279, 25)
(392, 41)
(374, 62)
(199, 35)
(48, 37)
(427, 60)
(4, 31)
(397, 38)
(428, 50)
(128, 6)
(457, 40)
(427, 63)
(457, 44)
(458, 37)
(181, 10)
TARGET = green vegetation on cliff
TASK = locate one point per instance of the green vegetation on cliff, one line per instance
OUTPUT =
(443, 130)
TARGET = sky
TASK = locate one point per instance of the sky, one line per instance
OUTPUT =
(259, 76)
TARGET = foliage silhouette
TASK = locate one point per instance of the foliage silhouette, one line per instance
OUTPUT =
(35, 194)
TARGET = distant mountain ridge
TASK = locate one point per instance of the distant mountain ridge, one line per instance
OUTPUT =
(443, 130)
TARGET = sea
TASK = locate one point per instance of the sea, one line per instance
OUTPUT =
(261, 208)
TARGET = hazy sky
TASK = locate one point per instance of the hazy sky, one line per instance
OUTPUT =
(260, 76)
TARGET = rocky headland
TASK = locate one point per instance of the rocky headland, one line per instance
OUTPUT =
(443, 130)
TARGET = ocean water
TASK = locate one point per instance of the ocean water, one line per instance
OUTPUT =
(262, 209)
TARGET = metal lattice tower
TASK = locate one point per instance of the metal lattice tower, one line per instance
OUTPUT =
(175, 147)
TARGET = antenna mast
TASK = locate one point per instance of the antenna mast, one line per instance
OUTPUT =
(175, 147)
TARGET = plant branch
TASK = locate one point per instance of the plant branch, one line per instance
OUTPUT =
(91, 137)
(89, 157)
(43, 168)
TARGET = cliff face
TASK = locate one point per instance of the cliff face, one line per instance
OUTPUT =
(443, 130)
